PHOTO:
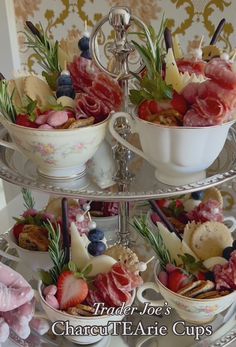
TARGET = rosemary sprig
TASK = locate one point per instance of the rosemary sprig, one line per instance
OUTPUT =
(152, 85)
(56, 251)
(46, 49)
(6, 105)
(155, 241)
(29, 201)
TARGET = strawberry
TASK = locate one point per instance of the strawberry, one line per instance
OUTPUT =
(148, 110)
(17, 230)
(162, 203)
(179, 103)
(71, 290)
(23, 120)
(201, 276)
(177, 279)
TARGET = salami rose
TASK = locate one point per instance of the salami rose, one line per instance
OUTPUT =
(207, 211)
(221, 71)
(191, 66)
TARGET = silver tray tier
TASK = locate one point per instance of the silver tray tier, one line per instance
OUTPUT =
(17, 169)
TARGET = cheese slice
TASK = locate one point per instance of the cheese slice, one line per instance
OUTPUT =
(172, 73)
(177, 47)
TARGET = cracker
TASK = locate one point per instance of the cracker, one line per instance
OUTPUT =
(16, 96)
(188, 231)
(214, 194)
(209, 240)
(82, 123)
(37, 89)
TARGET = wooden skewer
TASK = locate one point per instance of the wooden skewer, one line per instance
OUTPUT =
(2, 77)
(163, 218)
(218, 31)
(65, 229)
(168, 39)
(201, 41)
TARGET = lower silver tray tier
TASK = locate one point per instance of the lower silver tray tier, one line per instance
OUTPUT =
(17, 169)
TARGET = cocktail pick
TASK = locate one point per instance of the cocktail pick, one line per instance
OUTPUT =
(86, 208)
(163, 218)
(217, 31)
(168, 38)
(65, 229)
(143, 265)
(2, 77)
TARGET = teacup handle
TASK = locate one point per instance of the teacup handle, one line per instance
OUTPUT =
(233, 221)
(8, 145)
(118, 138)
(142, 299)
(7, 255)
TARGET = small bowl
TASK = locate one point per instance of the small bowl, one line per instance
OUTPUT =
(192, 310)
(34, 259)
(56, 153)
(180, 155)
(55, 315)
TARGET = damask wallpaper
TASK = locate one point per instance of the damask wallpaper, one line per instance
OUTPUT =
(64, 20)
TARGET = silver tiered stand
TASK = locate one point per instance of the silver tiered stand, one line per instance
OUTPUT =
(17, 169)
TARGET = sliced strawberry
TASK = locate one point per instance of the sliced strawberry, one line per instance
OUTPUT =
(23, 120)
(179, 103)
(71, 290)
(148, 110)
(176, 279)
(17, 230)
(162, 203)
(201, 276)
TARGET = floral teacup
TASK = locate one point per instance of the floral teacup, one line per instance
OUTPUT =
(60, 153)
(190, 309)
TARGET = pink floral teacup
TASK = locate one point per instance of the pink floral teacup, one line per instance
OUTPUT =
(60, 153)
(190, 309)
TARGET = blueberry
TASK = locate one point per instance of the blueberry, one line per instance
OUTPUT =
(96, 248)
(227, 252)
(95, 235)
(210, 276)
(198, 195)
(83, 43)
(234, 244)
(65, 91)
(64, 80)
(86, 54)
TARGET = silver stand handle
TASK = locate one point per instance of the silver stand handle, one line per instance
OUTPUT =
(120, 19)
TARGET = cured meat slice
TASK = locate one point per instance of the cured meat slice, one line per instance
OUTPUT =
(210, 107)
(121, 281)
(91, 106)
(190, 92)
(107, 90)
(191, 66)
(83, 72)
(207, 211)
(213, 89)
(221, 71)
(225, 275)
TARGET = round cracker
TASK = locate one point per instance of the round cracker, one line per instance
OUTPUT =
(37, 89)
(188, 231)
(213, 194)
(210, 239)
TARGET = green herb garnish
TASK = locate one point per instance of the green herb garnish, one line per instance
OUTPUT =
(7, 108)
(155, 241)
(152, 85)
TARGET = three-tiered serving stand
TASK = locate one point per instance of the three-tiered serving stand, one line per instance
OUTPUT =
(134, 179)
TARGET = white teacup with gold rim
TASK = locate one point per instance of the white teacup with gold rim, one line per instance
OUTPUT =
(180, 155)
(190, 309)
